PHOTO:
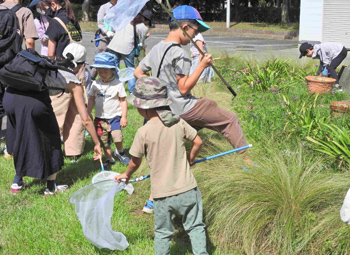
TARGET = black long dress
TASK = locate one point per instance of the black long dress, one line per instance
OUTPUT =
(32, 134)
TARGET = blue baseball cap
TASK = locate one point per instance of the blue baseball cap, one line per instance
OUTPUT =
(188, 12)
(33, 3)
(105, 60)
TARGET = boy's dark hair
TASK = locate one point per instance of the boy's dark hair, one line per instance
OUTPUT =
(191, 22)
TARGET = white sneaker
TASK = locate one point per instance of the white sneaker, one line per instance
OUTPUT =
(58, 188)
(15, 188)
(338, 88)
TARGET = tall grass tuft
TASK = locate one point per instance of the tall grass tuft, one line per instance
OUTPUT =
(271, 208)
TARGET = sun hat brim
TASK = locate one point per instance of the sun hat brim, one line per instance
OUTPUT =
(148, 103)
(102, 66)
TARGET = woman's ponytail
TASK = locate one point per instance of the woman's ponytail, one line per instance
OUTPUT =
(69, 12)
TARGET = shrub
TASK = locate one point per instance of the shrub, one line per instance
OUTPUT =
(336, 144)
(278, 207)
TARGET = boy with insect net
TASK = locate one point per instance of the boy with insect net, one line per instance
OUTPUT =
(173, 186)
(171, 63)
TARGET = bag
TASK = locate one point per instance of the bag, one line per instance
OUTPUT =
(65, 28)
(345, 209)
(136, 45)
(29, 71)
(10, 39)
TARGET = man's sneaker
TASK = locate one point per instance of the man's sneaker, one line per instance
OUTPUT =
(122, 157)
(59, 188)
(109, 162)
(148, 207)
(73, 159)
(15, 188)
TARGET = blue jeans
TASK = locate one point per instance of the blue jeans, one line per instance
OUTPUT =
(129, 61)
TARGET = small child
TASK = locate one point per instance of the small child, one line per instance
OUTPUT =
(109, 95)
(330, 56)
(173, 186)
(208, 72)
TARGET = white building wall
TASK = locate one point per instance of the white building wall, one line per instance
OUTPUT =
(311, 20)
(336, 22)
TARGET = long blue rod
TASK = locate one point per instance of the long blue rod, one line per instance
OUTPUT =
(141, 178)
(224, 153)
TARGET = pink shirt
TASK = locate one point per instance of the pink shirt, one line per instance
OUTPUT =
(41, 29)
(193, 49)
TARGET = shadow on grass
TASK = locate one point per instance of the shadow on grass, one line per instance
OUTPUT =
(72, 172)
(234, 24)
(182, 242)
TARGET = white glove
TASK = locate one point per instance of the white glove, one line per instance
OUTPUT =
(110, 34)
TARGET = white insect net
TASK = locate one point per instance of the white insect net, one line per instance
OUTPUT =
(94, 207)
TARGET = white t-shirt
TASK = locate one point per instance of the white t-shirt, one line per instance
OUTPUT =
(107, 103)
(193, 49)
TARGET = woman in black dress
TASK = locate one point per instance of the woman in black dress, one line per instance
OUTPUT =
(33, 137)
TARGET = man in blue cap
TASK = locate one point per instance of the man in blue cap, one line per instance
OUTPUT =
(171, 63)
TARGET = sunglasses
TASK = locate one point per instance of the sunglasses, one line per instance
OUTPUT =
(195, 30)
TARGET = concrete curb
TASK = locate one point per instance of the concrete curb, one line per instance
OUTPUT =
(268, 34)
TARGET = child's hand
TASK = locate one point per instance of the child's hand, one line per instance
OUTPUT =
(123, 122)
(207, 60)
(190, 161)
(98, 152)
(122, 177)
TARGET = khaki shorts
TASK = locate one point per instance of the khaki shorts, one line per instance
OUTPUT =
(107, 134)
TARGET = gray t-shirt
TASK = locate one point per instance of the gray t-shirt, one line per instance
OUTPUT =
(176, 61)
(123, 40)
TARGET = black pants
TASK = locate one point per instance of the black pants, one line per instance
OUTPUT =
(335, 63)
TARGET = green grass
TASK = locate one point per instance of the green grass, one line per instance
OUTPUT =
(257, 26)
(288, 203)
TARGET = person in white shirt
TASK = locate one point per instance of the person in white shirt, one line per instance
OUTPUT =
(104, 30)
(108, 95)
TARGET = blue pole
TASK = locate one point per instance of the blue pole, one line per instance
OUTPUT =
(141, 178)
(224, 153)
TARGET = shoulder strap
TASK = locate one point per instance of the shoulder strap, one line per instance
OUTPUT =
(161, 62)
(64, 26)
(135, 37)
(16, 7)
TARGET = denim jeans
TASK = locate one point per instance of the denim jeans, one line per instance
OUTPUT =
(129, 61)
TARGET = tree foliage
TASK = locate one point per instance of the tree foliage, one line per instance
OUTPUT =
(272, 11)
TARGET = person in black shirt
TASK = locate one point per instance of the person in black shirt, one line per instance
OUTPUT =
(61, 12)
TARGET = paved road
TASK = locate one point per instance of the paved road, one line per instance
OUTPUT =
(219, 46)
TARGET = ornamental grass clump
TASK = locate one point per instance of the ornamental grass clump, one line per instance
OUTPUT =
(336, 143)
(274, 207)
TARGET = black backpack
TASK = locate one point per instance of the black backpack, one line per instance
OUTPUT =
(10, 38)
(29, 71)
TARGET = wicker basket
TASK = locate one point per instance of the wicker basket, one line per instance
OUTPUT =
(340, 108)
(318, 84)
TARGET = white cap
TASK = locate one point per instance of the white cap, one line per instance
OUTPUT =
(78, 52)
